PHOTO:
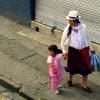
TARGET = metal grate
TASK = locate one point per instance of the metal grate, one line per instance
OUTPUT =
(54, 12)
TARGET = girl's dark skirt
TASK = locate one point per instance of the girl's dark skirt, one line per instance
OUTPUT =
(76, 63)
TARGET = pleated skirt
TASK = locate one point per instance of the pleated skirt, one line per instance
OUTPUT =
(76, 63)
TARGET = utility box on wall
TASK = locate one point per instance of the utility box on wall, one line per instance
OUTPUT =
(22, 11)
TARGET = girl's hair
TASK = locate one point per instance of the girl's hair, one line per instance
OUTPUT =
(55, 49)
(70, 28)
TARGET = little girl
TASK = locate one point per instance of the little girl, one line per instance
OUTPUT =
(55, 69)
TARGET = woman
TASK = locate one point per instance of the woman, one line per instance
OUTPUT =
(77, 38)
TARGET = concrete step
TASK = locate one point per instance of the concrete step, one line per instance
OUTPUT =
(46, 39)
(40, 37)
(42, 28)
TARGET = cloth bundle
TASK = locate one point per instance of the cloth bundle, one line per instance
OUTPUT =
(95, 62)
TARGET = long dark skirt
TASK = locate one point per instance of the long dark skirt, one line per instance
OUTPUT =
(76, 63)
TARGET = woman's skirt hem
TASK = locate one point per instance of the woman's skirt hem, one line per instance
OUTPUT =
(83, 72)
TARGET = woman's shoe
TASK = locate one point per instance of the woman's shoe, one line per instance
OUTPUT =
(69, 83)
(87, 89)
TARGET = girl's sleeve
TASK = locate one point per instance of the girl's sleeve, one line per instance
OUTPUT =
(59, 56)
(49, 60)
(63, 39)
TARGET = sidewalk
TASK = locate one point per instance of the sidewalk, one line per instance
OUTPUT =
(23, 63)
(48, 40)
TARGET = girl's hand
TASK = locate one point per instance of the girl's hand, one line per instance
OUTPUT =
(93, 52)
(65, 56)
(53, 68)
(54, 71)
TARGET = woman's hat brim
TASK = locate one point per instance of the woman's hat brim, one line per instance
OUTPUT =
(68, 18)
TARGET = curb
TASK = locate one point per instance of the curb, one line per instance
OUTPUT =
(27, 94)
(7, 82)
(43, 43)
(16, 87)
(95, 46)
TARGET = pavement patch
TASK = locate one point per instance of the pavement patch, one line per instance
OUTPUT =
(38, 62)
(15, 49)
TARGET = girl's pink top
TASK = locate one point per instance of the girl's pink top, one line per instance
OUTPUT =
(56, 62)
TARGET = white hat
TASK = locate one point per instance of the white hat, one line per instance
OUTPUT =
(73, 15)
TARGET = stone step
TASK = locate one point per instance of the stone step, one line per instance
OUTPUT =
(48, 39)
(40, 37)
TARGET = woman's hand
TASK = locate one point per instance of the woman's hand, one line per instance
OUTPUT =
(65, 56)
(93, 52)
(54, 71)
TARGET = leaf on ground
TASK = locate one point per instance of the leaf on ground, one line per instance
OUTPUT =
(43, 98)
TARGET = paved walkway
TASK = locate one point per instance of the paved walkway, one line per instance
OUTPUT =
(23, 66)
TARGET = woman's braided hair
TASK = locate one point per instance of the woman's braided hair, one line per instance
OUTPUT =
(70, 28)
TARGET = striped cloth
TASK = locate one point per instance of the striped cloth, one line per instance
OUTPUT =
(76, 63)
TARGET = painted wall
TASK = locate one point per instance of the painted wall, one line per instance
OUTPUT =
(22, 11)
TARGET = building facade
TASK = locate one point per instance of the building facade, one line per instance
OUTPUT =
(22, 11)
(53, 13)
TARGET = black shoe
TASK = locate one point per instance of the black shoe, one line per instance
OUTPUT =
(69, 83)
(87, 89)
